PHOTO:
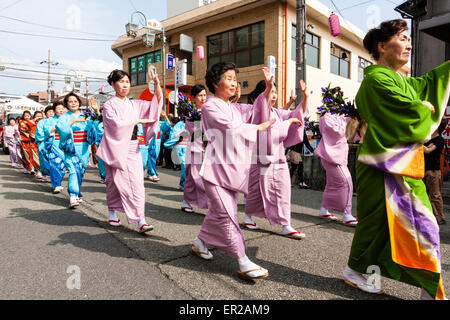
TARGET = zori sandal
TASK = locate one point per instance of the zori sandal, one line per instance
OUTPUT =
(115, 223)
(204, 255)
(145, 228)
(245, 275)
(329, 217)
(295, 235)
(350, 223)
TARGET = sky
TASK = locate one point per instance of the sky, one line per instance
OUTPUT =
(79, 35)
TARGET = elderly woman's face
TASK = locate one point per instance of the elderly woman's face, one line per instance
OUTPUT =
(397, 50)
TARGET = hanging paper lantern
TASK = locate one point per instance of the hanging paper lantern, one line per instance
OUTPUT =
(200, 52)
(334, 25)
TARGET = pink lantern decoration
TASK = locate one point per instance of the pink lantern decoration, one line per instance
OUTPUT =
(200, 52)
(334, 25)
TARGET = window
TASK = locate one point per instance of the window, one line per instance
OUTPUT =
(340, 61)
(139, 67)
(312, 48)
(362, 64)
(243, 46)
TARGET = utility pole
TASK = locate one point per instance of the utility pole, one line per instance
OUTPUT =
(49, 81)
(300, 70)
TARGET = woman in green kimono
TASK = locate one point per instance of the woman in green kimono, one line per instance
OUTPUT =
(397, 233)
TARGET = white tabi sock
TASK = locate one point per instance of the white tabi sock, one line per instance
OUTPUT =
(245, 264)
(287, 230)
(112, 216)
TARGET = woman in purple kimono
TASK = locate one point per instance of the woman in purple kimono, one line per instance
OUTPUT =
(231, 139)
(120, 151)
(269, 187)
(194, 191)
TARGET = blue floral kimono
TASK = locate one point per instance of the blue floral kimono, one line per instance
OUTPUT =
(99, 135)
(154, 148)
(57, 168)
(75, 142)
(179, 140)
(40, 143)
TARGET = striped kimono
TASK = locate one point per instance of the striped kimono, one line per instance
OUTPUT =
(75, 142)
(30, 157)
(56, 164)
(397, 230)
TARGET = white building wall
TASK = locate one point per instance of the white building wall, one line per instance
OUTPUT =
(317, 78)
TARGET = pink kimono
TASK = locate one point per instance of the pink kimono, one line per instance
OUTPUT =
(125, 190)
(269, 190)
(194, 191)
(12, 140)
(231, 139)
(333, 150)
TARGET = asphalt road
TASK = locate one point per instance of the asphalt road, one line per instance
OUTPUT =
(50, 252)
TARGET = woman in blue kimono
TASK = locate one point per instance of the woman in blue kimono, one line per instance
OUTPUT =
(57, 168)
(76, 134)
(179, 138)
(99, 135)
(40, 142)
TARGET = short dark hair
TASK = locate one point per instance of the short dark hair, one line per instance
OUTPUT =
(117, 75)
(260, 88)
(71, 94)
(215, 73)
(197, 89)
(58, 103)
(12, 118)
(52, 108)
(35, 113)
(383, 33)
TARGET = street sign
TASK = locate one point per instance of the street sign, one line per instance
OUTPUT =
(181, 73)
(170, 62)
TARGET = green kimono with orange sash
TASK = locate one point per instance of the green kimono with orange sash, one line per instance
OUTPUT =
(397, 230)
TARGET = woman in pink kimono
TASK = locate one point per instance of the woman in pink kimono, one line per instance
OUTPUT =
(194, 191)
(269, 187)
(333, 151)
(231, 139)
(120, 151)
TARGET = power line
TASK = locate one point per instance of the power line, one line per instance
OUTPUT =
(55, 67)
(39, 79)
(9, 6)
(55, 37)
(52, 73)
(55, 28)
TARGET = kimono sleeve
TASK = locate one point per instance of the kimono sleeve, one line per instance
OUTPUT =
(395, 115)
(433, 88)
(91, 132)
(65, 134)
(149, 110)
(40, 132)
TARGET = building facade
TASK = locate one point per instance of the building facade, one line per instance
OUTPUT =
(247, 33)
